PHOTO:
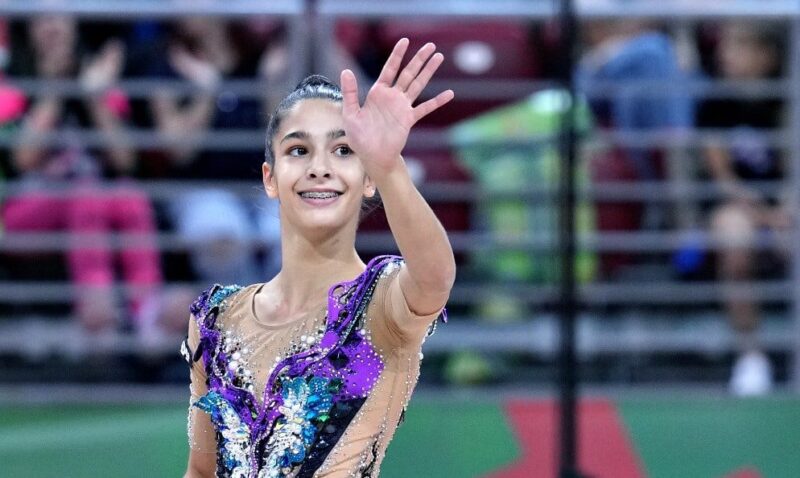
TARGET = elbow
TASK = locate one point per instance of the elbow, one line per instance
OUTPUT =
(440, 281)
(26, 159)
(193, 472)
(449, 275)
(201, 465)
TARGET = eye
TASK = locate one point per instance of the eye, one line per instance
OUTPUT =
(343, 150)
(296, 151)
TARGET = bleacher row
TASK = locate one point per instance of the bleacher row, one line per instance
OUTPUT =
(647, 285)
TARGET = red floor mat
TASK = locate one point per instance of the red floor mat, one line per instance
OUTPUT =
(604, 448)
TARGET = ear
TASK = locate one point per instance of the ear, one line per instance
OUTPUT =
(369, 187)
(269, 180)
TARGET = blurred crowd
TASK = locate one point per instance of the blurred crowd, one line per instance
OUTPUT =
(91, 187)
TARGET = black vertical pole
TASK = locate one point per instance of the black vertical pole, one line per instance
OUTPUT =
(568, 376)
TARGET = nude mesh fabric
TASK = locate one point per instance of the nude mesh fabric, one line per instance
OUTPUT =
(396, 333)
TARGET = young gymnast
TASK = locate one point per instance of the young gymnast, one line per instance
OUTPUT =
(310, 374)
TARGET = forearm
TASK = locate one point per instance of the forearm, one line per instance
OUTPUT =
(197, 473)
(719, 164)
(40, 121)
(27, 157)
(377, 132)
(183, 123)
(193, 472)
(195, 115)
(419, 235)
(118, 146)
(721, 169)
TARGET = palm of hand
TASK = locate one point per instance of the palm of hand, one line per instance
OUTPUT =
(381, 125)
(201, 72)
(104, 70)
(378, 130)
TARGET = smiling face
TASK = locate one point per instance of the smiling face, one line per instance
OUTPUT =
(316, 177)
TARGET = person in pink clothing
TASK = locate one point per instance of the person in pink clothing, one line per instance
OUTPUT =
(85, 191)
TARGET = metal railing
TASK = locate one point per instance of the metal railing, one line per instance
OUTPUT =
(301, 21)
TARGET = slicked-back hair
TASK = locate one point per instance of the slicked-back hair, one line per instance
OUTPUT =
(312, 87)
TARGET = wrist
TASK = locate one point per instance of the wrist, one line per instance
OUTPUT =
(207, 82)
(384, 170)
(395, 178)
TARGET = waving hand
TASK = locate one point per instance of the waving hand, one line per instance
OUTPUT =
(378, 130)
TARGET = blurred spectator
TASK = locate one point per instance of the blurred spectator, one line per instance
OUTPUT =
(12, 103)
(4, 53)
(220, 227)
(508, 170)
(626, 52)
(745, 51)
(89, 208)
(623, 53)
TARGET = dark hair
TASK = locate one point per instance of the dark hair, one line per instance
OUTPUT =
(312, 87)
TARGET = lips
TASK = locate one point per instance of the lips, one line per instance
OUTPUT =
(320, 197)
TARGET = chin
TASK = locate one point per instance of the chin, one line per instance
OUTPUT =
(323, 222)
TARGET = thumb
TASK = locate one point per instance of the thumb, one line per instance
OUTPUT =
(114, 52)
(349, 84)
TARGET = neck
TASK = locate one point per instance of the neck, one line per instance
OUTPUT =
(309, 266)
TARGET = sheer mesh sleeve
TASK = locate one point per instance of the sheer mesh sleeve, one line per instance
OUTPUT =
(202, 436)
(396, 333)
(399, 326)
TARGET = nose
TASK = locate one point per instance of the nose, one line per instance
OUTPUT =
(319, 167)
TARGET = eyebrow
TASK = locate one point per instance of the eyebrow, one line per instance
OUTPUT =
(295, 135)
(333, 134)
(336, 134)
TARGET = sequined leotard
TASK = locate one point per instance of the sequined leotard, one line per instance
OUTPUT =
(320, 396)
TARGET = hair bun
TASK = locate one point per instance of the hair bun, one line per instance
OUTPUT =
(313, 81)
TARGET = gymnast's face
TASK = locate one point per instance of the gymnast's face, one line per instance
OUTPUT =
(318, 180)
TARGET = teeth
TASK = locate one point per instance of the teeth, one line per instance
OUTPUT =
(319, 194)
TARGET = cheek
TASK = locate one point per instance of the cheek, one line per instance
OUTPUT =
(358, 184)
(352, 171)
(286, 174)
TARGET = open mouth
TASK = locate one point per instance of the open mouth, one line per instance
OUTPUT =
(320, 194)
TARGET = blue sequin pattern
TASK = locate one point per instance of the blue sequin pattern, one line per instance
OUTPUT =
(306, 403)
(234, 435)
(222, 293)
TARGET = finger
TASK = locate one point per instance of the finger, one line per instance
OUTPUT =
(422, 79)
(113, 47)
(414, 66)
(113, 54)
(349, 85)
(392, 66)
(433, 104)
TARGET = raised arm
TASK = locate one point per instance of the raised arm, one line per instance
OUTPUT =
(377, 132)
(40, 120)
(98, 76)
(186, 122)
